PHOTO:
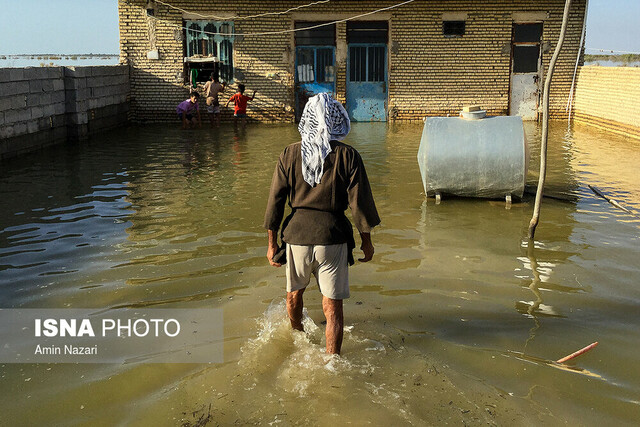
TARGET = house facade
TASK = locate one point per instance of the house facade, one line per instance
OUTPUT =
(406, 61)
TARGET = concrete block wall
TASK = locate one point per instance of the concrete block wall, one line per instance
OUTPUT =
(429, 74)
(607, 97)
(40, 106)
(96, 98)
(32, 102)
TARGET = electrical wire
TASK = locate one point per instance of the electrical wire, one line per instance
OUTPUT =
(239, 17)
(575, 70)
(268, 33)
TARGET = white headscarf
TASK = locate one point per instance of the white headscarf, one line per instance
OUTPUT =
(323, 119)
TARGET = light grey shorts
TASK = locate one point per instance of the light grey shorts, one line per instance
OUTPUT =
(327, 262)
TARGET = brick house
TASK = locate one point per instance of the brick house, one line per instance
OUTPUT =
(410, 60)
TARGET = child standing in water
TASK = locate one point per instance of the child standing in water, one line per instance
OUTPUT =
(240, 100)
(187, 111)
(211, 90)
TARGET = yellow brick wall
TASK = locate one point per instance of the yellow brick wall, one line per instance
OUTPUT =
(607, 97)
(428, 73)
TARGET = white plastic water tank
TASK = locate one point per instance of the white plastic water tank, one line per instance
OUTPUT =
(478, 157)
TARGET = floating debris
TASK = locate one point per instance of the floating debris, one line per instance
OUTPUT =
(577, 353)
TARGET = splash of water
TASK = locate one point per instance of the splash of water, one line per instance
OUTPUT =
(296, 359)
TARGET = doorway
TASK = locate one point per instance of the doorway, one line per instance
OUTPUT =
(315, 62)
(367, 70)
(526, 64)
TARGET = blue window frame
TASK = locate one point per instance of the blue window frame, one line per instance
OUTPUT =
(367, 62)
(315, 64)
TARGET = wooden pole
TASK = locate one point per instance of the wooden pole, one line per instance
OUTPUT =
(545, 123)
(577, 353)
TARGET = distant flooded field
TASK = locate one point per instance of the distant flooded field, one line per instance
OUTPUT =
(606, 63)
(48, 60)
(456, 320)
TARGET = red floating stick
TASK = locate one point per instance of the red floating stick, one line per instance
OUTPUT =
(577, 353)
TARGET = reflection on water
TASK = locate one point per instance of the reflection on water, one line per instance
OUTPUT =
(456, 320)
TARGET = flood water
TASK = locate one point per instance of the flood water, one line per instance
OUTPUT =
(21, 61)
(455, 321)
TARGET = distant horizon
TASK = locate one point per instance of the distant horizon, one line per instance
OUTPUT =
(60, 54)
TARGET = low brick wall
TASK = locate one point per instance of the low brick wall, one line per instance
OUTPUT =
(41, 106)
(606, 97)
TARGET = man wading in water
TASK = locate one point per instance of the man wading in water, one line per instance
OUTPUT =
(321, 177)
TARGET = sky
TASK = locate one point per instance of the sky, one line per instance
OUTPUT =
(614, 25)
(91, 26)
(58, 26)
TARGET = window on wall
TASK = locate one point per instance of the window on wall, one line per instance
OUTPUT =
(367, 50)
(315, 34)
(315, 64)
(366, 63)
(367, 32)
(315, 52)
(525, 58)
(205, 42)
(527, 33)
(526, 47)
(453, 28)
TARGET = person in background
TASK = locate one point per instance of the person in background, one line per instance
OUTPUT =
(240, 100)
(187, 111)
(211, 90)
(321, 177)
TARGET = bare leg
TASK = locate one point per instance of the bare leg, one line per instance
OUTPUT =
(244, 122)
(294, 308)
(335, 323)
(212, 119)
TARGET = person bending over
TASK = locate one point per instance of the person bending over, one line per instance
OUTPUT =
(187, 111)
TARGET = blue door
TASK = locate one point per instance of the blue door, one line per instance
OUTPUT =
(315, 73)
(367, 82)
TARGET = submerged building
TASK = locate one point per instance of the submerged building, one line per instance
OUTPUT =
(385, 60)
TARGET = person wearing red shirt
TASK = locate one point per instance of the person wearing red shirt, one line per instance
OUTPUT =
(240, 100)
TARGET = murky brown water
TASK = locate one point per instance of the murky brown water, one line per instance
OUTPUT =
(455, 320)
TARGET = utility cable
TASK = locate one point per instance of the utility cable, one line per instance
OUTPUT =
(266, 33)
(575, 70)
(239, 17)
